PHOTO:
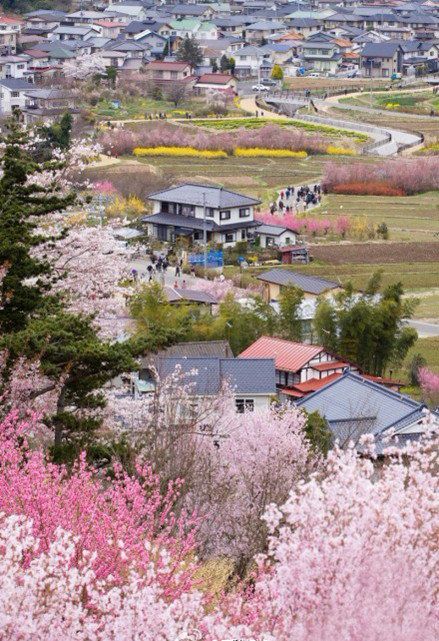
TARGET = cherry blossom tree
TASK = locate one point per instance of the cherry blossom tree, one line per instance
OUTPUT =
(83, 67)
(337, 549)
(88, 267)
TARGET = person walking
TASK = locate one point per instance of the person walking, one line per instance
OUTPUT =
(177, 271)
(193, 271)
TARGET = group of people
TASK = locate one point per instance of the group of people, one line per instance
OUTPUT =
(294, 201)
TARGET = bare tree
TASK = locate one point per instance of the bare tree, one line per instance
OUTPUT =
(177, 93)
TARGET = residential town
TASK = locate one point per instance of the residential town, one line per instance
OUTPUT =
(219, 314)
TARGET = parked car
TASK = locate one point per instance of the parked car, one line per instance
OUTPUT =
(268, 82)
(314, 74)
(260, 87)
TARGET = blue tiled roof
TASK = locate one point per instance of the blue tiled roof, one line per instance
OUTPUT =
(353, 405)
(245, 376)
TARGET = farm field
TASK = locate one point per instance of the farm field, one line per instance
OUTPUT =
(426, 347)
(409, 218)
(411, 102)
(415, 276)
(427, 126)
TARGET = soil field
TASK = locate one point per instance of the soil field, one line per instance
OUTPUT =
(376, 253)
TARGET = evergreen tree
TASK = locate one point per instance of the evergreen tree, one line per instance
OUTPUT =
(224, 63)
(21, 206)
(368, 329)
(33, 322)
(290, 323)
(190, 52)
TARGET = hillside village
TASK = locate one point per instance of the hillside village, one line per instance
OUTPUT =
(219, 315)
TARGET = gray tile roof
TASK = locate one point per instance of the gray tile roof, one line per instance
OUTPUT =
(17, 84)
(380, 49)
(245, 376)
(175, 294)
(186, 222)
(192, 194)
(272, 230)
(309, 284)
(353, 405)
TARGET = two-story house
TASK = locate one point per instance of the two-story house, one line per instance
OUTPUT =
(322, 55)
(381, 59)
(295, 363)
(312, 286)
(195, 211)
(248, 61)
(13, 93)
(162, 71)
(14, 66)
(9, 31)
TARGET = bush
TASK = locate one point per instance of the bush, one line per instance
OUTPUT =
(401, 177)
(367, 188)
(178, 151)
(332, 150)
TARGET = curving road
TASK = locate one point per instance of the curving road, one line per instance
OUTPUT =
(388, 141)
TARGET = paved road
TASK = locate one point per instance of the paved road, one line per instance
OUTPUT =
(388, 148)
(425, 329)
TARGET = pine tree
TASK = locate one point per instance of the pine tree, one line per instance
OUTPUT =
(21, 206)
(190, 52)
(289, 313)
(33, 322)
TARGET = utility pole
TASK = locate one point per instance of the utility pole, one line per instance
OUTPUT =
(205, 234)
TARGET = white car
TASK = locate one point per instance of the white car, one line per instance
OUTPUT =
(314, 74)
(260, 88)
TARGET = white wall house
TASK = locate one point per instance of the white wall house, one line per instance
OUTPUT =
(188, 209)
(13, 94)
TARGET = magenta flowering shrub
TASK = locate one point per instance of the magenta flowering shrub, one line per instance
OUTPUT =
(429, 382)
(123, 141)
(310, 225)
(119, 522)
(400, 176)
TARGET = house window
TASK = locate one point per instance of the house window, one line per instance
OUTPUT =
(287, 240)
(15, 94)
(225, 215)
(244, 405)
(242, 234)
(174, 74)
(188, 210)
(244, 212)
(210, 212)
(229, 238)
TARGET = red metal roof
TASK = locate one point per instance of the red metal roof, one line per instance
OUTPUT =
(215, 78)
(168, 66)
(289, 356)
(323, 367)
(302, 389)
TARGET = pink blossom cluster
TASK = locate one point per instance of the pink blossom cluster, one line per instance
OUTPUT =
(411, 176)
(352, 549)
(123, 141)
(429, 382)
(310, 224)
(118, 522)
(353, 554)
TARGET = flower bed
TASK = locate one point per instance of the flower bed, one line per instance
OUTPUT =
(332, 150)
(260, 152)
(178, 151)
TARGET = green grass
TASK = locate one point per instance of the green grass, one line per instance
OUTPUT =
(226, 124)
(428, 305)
(410, 218)
(411, 102)
(137, 107)
(414, 276)
(428, 348)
